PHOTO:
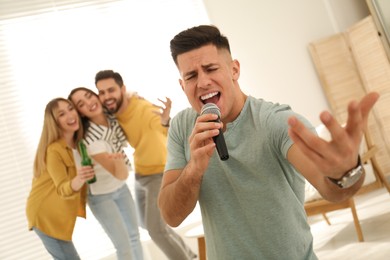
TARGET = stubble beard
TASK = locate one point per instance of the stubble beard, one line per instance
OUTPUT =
(117, 106)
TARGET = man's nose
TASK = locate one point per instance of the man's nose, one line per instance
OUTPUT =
(203, 80)
(104, 96)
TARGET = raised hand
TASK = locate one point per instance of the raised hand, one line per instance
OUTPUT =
(337, 156)
(164, 110)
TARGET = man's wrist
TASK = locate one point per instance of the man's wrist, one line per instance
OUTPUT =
(167, 123)
(351, 177)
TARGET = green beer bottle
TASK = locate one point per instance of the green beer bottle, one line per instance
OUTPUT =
(85, 160)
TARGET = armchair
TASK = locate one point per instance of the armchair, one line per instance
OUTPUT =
(374, 179)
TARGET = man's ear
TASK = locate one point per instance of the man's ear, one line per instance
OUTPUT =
(236, 69)
(123, 89)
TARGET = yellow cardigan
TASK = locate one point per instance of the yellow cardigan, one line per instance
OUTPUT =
(52, 205)
(146, 135)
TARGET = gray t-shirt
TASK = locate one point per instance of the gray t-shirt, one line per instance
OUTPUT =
(251, 204)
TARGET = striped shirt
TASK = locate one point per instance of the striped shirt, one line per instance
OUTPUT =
(102, 139)
(113, 134)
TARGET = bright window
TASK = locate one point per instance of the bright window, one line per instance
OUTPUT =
(49, 47)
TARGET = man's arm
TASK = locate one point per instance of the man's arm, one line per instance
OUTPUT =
(180, 188)
(328, 190)
(318, 159)
(178, 195)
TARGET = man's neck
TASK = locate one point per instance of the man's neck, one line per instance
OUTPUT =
(125, 103)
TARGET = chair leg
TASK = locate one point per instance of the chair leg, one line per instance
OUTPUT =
(356, 221)
(380, 174)
(326, 219)
(201, 248)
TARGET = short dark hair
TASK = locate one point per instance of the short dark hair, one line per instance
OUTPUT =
(196, 37)
(109, 74)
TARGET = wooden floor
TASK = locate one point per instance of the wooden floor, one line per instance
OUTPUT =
(339, 240)
(334, 242)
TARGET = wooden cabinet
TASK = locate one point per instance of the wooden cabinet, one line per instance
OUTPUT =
(350, 64)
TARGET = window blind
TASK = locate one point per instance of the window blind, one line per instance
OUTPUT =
(49, 47)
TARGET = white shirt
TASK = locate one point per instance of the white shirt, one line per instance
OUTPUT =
(101, 139)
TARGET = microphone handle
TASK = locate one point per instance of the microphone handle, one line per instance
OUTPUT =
(220, 143)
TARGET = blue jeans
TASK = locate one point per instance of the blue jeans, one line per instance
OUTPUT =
(116, 213)
(59, 249)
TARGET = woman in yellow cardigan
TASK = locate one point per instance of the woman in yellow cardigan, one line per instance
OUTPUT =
(58, 193)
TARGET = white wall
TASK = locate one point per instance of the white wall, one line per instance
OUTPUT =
(270, 40)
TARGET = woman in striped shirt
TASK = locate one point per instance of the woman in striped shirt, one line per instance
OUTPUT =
(109, 198)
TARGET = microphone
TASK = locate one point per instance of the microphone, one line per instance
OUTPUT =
(219, 140)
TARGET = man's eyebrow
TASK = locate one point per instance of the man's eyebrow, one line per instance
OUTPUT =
(192, 72)
(208, 65)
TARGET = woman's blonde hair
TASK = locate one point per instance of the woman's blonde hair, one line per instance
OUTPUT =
(51, 132)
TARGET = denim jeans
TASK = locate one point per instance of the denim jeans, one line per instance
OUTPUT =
(146, 192)
(116, 213)
(59, 249)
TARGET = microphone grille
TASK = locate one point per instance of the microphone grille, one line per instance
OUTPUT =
(210, 108)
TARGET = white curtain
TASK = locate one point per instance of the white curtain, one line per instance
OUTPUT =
(49, 47)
